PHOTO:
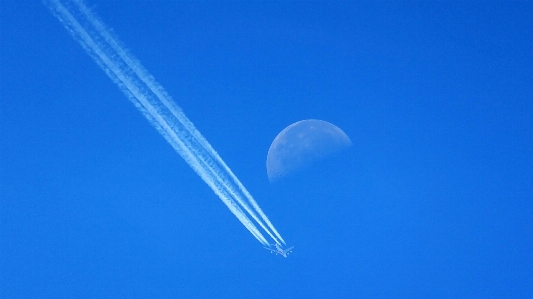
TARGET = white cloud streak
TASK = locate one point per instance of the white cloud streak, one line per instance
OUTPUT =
(157, 106)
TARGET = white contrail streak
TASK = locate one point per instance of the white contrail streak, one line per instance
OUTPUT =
(157, 106)
(176, 111)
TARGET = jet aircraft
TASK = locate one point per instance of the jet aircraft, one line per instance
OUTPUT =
(279, 250)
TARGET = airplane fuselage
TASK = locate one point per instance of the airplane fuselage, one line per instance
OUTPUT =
(280, 250)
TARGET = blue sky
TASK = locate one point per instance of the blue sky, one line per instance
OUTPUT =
(433, 200)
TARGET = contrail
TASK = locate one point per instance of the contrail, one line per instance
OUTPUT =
(157, 106)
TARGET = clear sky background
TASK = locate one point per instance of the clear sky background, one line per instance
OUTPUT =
(433, 200)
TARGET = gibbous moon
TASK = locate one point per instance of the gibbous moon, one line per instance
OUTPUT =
(301, 144)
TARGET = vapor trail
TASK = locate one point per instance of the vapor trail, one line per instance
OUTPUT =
(157, 106)
(218, 163)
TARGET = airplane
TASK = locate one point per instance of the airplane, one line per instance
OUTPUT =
(280, 250)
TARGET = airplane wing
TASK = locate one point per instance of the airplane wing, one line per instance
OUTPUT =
(271, 250)
(288, 249)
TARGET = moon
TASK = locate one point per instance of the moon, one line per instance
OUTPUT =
(301, 144)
